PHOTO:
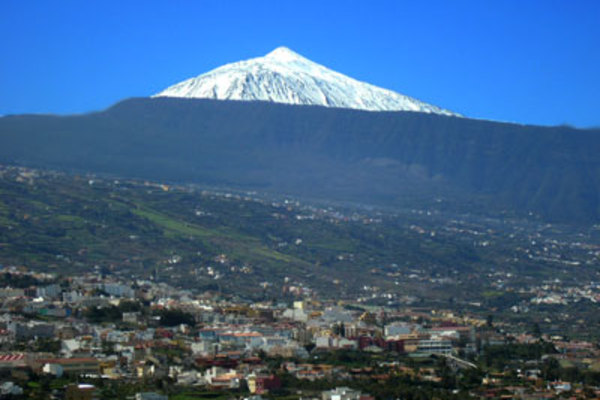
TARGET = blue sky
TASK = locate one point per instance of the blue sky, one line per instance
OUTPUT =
(524, 61)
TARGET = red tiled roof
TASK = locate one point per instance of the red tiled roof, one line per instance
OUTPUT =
(247, 334)
(11, 357)
(69, 360)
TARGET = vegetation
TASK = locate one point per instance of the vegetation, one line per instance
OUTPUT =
(174, 317)
(258, 248)
(397, 159)
(499, 356)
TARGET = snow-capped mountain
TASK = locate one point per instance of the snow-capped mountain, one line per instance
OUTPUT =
(283, 76)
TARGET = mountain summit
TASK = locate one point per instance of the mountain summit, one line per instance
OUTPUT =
(283, 76)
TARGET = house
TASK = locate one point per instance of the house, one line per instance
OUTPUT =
(150, 396)
(397, 329)
(81, 391)
(561, 386)
(343, 393)
(10, 389)
(53, 369)
(30, 330)
(131, 317)
(70, 346)
(220, 378)
(74, 366)
(259, 384)
(118, 290)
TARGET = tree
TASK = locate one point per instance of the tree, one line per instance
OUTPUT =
(551, 369)
(535, 331)
(175, 317)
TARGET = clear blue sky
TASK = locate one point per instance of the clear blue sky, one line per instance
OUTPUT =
(525, 61)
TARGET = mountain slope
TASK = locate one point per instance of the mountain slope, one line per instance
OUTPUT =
(389, 158)
(69, 224)
(283, 76)
(205, 240)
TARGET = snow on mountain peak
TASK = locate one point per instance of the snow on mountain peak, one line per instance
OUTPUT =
(284, 76)
(283, 54)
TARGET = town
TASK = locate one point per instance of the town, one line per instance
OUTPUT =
(92, 336)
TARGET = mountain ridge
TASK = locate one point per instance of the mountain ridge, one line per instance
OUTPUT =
(338, 154)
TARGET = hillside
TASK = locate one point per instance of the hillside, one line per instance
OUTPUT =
(387, 158)
(248, 245)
